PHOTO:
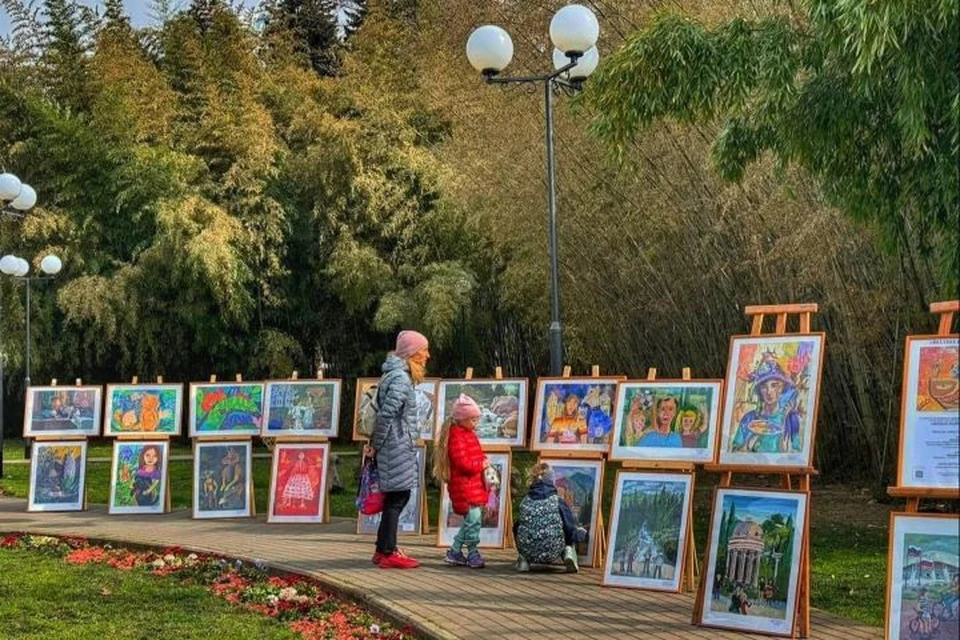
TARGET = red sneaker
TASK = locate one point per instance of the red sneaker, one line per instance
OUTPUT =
(377, 557)
(398, 560)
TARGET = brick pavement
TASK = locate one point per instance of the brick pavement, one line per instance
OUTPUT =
(441, 601)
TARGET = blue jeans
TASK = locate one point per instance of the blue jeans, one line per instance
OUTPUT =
(469, 534)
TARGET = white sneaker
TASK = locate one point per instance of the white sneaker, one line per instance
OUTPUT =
(570, 559)
(522, 565)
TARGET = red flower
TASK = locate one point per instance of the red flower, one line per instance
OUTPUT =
(87, 555)
(11, 540)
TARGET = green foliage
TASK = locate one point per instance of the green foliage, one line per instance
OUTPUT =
(862, 95)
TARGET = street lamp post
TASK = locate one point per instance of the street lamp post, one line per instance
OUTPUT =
(573, 31)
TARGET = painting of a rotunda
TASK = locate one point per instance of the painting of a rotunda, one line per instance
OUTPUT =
(744, 551)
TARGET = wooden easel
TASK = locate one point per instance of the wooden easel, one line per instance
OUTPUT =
(801, 628)
(690, 569)
(947, 312)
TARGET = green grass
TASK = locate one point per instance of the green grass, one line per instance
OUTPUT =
(849, 571)
(42, 597)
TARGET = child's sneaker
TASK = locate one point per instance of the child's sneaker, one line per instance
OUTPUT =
(456, 558)
(475, 560)
(570, 559)
(522, 565)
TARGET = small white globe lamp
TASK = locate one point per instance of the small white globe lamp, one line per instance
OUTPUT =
(489, 49)
(51, 265)
(574, 30)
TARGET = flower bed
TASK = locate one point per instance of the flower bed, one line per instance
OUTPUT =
(299, 602)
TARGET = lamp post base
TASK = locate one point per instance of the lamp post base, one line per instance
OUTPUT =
(556, 348)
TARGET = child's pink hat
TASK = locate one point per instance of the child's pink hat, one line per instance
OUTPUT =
(465, 408)
(409, 343)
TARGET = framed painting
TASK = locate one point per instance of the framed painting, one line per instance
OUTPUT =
(503, 406)
(579, 483)
(411, 518)
(492, 527)
(302, 408)
(922, 576)
(770, 403)
(62, 411)
(222, 479)
(226, 408)
(426, 393)
(673, 420)
(58, 472)
(648, 530)
(753, 560)
(930, 413)
(138, 476)
(574, 414)
(298, 482)
(143, 409)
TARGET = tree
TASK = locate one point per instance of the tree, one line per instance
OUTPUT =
(862, 95)
(312, 26)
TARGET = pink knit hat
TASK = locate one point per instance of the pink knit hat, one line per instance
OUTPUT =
(465, 408)
(409, 343)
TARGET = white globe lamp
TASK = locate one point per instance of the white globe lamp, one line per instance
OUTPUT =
(489, 49)
(26, 198)
(9, 265)
(51, 265)
(9, 186)
(574, 30)
(586, 64)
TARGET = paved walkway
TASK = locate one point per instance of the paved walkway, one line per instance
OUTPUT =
(443, 602)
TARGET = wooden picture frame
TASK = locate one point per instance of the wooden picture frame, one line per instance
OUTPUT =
(935, 536)
(504, 422)
(127, 416)
(55, 466)
(924, 463)
(426, 403)
(575, 413)
(281, 420)
(693, 418)
(568, 488)
(751, 561)
(413, 515)
(778, 431)
(62, 411)
(216, 489)
(212, 411)
(490, 537)
(299, 483)
(129, 457)
(623, 552)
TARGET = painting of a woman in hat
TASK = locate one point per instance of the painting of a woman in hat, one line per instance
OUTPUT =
(774, 425)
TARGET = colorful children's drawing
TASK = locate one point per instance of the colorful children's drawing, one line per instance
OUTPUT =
(222, 481)
(143, 409)
(938, 378)
(503, 404)
(753, 565)
(310, 407)
(410, 518)
(574, 413)
(770, 404)
(234, 408)
(648, 532)
(923, 577)
(62, 411)
(668, 420)
(298, 487)
(57, 476)
(138, 478)
(426, 393)
(579, 483)
(492, 525)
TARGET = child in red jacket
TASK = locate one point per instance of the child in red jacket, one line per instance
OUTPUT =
(459, 461)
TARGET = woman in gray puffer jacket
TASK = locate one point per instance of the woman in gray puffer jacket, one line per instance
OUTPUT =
(394, 441)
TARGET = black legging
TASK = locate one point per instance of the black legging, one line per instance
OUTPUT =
(393, 504)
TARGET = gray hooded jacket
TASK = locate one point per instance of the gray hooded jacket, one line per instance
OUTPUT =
(396, 432)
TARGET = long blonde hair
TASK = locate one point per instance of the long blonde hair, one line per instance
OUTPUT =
(417, 371)
(441, 459)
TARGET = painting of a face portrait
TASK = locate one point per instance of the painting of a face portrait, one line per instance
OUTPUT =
(221, 478)
(143, 409)
(938, 377)
(426, 393)
(232, 408)
(674, 420)
(579, 483)
(574, 413)
(62, 411)
(410, 517)
(648, 532)
(492, 525)
(298, 482)
(923, 577)
(57, 476)
(503, 407)
(138, 477)
(310, 407)
(770, 403)
(753, 569)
